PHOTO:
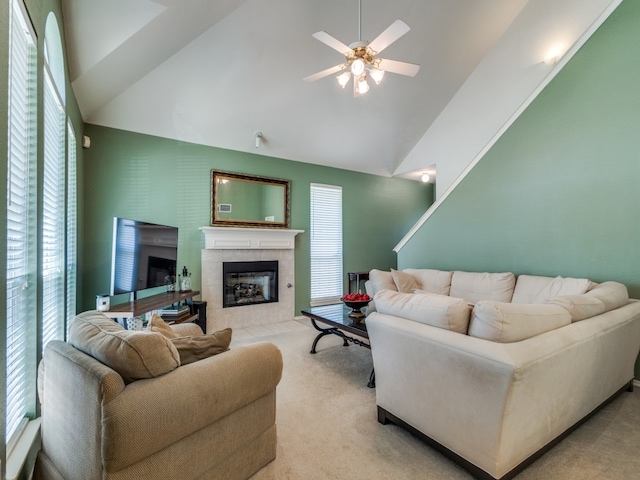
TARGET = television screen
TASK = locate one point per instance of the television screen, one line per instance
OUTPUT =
(144, 255)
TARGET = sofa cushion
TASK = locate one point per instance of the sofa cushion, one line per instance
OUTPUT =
(432, 281)
(379, 280)
(473, 286)
(537, 289)
(508, 322)
(428, 308)
(612, 294)
(133, 354)
(404, 282)
(196, 347)
(580, 307)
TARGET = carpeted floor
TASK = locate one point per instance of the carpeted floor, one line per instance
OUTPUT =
(328, 429)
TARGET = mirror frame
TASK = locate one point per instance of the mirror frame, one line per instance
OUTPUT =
(219, 174)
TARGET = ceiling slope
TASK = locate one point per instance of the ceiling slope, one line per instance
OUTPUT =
(214, 73)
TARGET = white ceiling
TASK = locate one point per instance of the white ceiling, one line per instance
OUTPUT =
(215, 72)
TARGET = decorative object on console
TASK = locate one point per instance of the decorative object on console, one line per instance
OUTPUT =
(102, 302)
(185, 281)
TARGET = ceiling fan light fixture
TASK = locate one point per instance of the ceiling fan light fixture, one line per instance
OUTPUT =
(343, 78)
(362, 86)
(377, 75)
(357, 67)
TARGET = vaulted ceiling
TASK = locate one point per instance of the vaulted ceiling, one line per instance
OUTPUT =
(215, 72)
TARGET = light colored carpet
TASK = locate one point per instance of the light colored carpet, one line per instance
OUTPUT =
(328, 429)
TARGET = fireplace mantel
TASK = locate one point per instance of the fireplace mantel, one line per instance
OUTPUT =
(238, 238)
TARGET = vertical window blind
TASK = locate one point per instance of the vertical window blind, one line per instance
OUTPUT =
(72, 223)
(326, 244)
(53, 215)
(21, 316)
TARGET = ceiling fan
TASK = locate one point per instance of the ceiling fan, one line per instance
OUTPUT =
(361, 57)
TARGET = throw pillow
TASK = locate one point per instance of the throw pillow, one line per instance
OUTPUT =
(509, 322)
(157, 324)
(133, 354)
(404, 282)
(197, 347)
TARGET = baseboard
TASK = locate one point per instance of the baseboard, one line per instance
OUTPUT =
(636, 383)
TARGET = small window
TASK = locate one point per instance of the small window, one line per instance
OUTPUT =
(326, 244)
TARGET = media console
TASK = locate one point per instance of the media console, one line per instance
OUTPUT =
(135, 308)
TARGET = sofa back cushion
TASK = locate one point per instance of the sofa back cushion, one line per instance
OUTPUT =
(436, 310)
(509, 322)
(432, 281)
(537, 289)
(473, 286)
(379, 280)
(133, 354)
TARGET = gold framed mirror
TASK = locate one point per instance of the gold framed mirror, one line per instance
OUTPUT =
(248, 201)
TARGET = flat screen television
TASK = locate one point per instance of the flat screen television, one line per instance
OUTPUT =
(143, 255)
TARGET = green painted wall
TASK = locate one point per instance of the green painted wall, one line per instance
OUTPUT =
(166, 181)
(559, 193)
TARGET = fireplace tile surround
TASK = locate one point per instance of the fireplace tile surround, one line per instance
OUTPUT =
(224, 244)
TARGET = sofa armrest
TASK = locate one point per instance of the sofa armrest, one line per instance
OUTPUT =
(152, 414)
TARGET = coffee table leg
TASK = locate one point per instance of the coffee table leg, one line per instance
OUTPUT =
(324, 332)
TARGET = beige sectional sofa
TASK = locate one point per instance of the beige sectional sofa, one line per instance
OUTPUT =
(492, 371)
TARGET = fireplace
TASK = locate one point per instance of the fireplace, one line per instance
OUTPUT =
(249, 283)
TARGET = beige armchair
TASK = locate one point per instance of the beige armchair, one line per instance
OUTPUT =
(211, 419)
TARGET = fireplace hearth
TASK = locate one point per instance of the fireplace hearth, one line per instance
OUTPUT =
(249, 283)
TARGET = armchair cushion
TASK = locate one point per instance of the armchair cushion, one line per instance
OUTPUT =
(157, 324)
(196, 347)
(133, 354)
(192, 347)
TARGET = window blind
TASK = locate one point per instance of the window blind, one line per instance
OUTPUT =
(53, 215)
(21, 220)
(326, 244)
(72, 223)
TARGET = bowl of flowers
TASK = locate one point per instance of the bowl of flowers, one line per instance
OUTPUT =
(356, 301)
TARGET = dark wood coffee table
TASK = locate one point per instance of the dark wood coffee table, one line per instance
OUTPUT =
(337, 317)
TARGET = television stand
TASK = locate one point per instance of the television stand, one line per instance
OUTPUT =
(137, 307)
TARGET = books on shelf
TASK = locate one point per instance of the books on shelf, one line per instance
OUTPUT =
(175, 310)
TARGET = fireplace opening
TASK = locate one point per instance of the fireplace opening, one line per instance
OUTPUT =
(249, 283)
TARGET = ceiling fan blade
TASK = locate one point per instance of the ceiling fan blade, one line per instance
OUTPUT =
(390, 35)
(332, 42)
(324, 73)
(403, 68)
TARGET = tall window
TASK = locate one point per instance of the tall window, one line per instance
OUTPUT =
(53, 210)
(326, 244)
(21, 220)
